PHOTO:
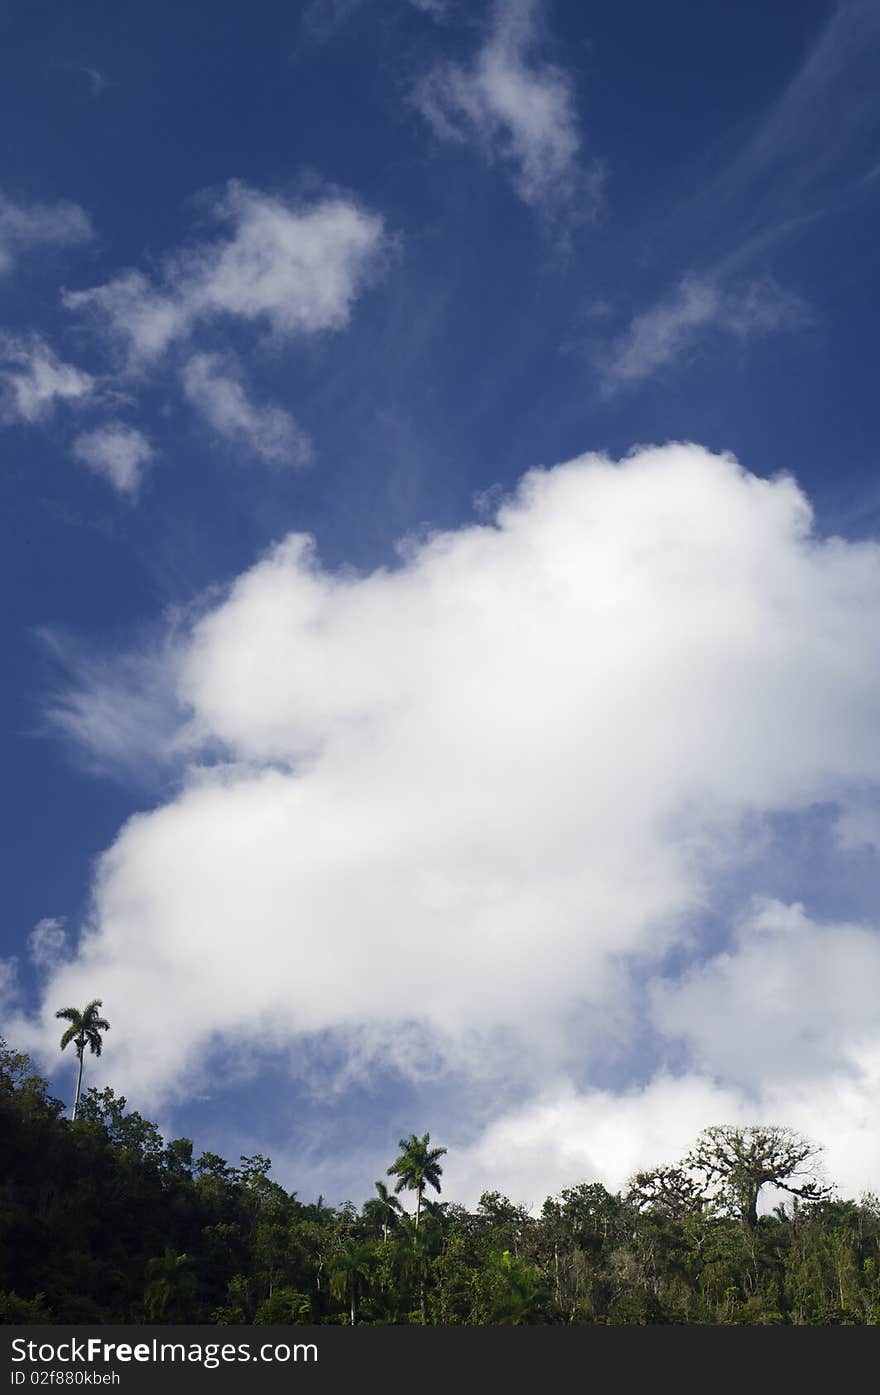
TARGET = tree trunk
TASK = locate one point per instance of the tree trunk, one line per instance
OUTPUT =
(353, 1315)
(421, 1264)
(79, 1076)
(750, 1207)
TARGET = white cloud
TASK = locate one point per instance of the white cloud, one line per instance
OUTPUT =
(470, 803)
(517, 109)
(782, 1026)
(564, 1136)
(213, 386)
(26, 226)
(789, 1000)
(33, 379)
(116, 452)
(10, 990)
(660, 335)
(296, 270)
(144, 318)
(47, 942)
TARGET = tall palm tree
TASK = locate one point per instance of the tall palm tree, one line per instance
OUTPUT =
(85, 1030)
(170, 1286)
(417, 1167)
(414, 1254)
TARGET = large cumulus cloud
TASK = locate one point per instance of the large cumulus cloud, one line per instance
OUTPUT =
(455, 809)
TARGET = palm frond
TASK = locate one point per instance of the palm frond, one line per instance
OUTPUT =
(85, 1027)
(70, 1035)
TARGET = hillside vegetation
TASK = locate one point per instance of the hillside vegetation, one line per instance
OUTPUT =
(103, 1221)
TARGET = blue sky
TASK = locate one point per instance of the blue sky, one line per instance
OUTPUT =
(485, 810)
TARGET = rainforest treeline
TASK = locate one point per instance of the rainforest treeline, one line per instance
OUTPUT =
(102, 1221)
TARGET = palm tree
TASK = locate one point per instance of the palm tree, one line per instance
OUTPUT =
(85, 1030)
(351, 1267)
(414, 1254)
(170, 1286)
(383, 1209)
(417, 1167)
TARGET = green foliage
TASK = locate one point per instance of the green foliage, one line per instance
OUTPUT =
(171, 1288)
(85, 1027)
(15, 1310)
(508, 1290)
(101, 1221)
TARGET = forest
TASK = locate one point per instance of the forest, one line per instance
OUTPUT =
(103, 1221)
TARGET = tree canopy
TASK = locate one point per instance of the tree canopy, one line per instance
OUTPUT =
(103, 1221)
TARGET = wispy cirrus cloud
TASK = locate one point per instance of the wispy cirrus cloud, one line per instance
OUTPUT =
(33, 380)
(810, 155)
(116, 452)
(518, 109)
(25, 227)
(119, 715)
(818, 137)
(213, 385)
(287, 268)
(665, 332)
(322, 20)
(96, 80)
